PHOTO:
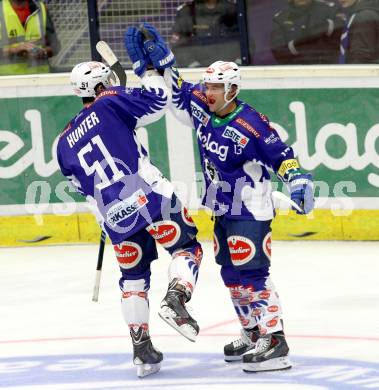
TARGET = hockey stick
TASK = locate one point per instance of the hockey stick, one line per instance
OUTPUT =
(99, 266)
(280, 196)
(110, 58)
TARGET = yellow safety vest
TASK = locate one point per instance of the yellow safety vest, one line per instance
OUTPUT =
(13, 33)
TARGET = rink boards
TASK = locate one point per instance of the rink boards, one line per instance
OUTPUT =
(327, 114)
(51, 229)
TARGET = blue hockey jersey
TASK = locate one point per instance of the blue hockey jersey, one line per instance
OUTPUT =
(100, 154)
(236, 153)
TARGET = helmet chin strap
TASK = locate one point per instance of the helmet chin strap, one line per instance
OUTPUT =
(227, 101)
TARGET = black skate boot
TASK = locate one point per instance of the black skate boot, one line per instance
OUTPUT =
(146, 358)
(174, 312)
(270, 354)
(235, 350)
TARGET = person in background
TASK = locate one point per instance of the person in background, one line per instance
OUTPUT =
(301, 33)
(202, 27)
(357, 24)
(27, 37)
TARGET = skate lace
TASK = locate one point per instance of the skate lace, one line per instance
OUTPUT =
(243, 340)
(262, 344)
(238, 343)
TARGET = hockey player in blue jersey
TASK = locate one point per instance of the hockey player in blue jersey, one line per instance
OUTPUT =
(238, 149)
(99, 153)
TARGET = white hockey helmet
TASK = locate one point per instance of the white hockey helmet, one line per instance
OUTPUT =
(223, 72)
(87, 75)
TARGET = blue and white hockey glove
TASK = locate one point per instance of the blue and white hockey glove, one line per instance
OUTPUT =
(301, 190)
(160, 54)
(133, 41)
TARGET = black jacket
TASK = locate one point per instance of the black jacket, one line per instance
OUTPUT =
(363, 34)
(301, 35)
(196, 23)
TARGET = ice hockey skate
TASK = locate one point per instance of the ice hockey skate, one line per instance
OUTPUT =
(174, 312)
(146, 358)
(234, 350)
(270, 354)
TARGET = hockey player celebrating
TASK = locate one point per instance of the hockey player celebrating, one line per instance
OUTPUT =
(238, 148)
(99, 153)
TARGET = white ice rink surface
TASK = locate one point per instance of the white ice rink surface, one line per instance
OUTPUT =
(53, 337)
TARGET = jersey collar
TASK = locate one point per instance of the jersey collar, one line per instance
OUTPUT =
(218, 122)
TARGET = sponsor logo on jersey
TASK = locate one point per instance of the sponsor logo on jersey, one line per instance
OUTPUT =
(241, 249)
(267, 245)
(235, 136)
(167, 233)
(187, 218)
(107, 92)
(271, 139)
(247, 126)
(199, 113)
(212, 146)
(124, 209)
(128, 254)
(200, 95)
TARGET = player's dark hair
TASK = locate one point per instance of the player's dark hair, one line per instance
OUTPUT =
(98, 89)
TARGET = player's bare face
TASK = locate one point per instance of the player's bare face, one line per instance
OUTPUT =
(214, 93)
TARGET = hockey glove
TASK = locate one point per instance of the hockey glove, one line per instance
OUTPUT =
(133, 41)
(301, 190)
(160, 54)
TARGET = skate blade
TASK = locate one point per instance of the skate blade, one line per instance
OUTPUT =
(147, 369)
(186, 330)
(280, 363)
(230, 359)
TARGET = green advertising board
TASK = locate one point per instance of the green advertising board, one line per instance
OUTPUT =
(334, 130)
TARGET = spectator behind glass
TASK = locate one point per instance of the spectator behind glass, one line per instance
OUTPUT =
(357, 23)
(203, 27)
(301, 33)
(27, 37)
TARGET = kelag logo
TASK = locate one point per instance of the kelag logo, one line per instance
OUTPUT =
(116, 372)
